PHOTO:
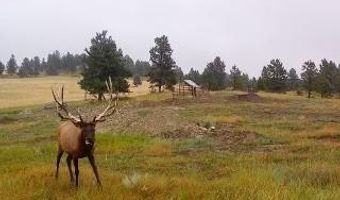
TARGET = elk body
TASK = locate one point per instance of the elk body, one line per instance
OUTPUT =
(76, 137)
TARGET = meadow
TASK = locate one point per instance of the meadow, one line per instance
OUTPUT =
(16, 92)
(270, 146)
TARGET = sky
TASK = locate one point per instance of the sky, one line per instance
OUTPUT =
(248, 33)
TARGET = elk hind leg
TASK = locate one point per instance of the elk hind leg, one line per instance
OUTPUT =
(76, 170)
(60, 154)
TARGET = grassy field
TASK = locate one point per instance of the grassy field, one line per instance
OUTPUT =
(271, 146)
(33, 91)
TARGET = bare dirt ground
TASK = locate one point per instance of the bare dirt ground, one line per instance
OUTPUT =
(164, 119)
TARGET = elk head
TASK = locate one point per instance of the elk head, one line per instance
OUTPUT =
(87, 127)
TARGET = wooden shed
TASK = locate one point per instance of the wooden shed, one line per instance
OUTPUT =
(187, 87)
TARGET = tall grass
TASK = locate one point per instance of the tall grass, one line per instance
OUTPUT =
(299, 159)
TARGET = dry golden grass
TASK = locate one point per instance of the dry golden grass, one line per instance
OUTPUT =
(33, 91)
(297, 154)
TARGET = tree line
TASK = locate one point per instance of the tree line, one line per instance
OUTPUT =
(56, 64)
(103, 58)
(323, 79)
(53, 65)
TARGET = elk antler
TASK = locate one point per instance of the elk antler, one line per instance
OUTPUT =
(110, 109)
(61, 106)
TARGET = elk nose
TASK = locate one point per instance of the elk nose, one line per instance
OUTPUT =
(89, 142)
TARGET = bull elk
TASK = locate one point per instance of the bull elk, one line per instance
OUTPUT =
(76, 137)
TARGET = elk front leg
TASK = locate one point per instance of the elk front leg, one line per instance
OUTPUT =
(76, 170)
(69, 160)
(94, 167)
(60, 154)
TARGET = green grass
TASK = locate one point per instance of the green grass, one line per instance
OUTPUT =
(299, 156)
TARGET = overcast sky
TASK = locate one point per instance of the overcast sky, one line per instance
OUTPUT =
(247, 33)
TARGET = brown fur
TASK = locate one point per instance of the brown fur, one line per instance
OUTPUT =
(71, 140)
(76, 137)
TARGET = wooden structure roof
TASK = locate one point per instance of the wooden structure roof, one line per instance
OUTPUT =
(191, 83)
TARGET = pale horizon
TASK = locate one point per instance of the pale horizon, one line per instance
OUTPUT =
(246, 33)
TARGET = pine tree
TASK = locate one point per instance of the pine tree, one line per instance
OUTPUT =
(162, 72)
(2, 68)
(43, 65)
(69, 63)
(129, 64)
(274, 76)
(12, 65)
(327, 78)
(142, 68)
(54, 63)
(104, 60)
(36, 66)
(252, 85)
(179, 74)
(214, 76)
(25, 68)
(293, 79)
(239, 80)
(309, 76)
(193, 75)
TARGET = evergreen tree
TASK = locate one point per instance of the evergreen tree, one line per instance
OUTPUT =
(239, 80)
(43, 66)
(337, 81)
(162, 72)
(2, 68)
(69, 63)
(54, 63)
(25, 69)
(274, 76)
(327, 78)
(36, 66)
(263, 80)
(194, 75)
(80, 61)
(235, 77)
(104, 60)
(252, 85)
(260, 85)
(293, 79)
(309, 76)
(214, 75)
(245, 82)
(129, 64)
(12, 65)
(142, 68)
(179, 74)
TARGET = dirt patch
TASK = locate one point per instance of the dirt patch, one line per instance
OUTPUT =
(153, 121)
(250, 97)
(7, 119)
(207, 98)
(335, 138)
(224, 137)
(229, 136)
(188, 131)
(189, 100)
